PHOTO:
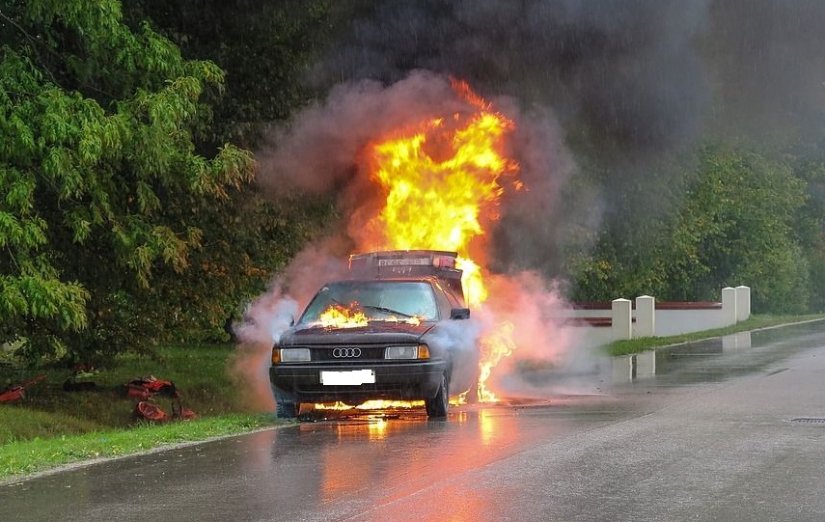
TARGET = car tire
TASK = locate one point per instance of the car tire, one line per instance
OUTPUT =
(285, 405)
(437, 406)
(285, 410)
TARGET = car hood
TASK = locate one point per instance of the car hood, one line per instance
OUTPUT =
(376, 332)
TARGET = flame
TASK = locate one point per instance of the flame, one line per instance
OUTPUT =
(352, 316)
(443, 183)
(494, 347)
(340, 316)
(377, 404)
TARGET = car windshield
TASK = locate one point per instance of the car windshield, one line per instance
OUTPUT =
(376, 300)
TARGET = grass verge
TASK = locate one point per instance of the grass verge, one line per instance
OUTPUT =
(755, 322)
(51, 427)
(29, 456)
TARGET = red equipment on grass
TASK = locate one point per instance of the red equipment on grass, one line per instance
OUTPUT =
(150, 411)
(147, 387)
(16, 392)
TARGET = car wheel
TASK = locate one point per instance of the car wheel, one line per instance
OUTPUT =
(285, 410)
(437, 406)
(285, 405)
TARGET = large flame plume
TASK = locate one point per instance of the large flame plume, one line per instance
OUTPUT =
(424, 163)
(443, 183)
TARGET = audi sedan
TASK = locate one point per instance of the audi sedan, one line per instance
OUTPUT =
(380, 338)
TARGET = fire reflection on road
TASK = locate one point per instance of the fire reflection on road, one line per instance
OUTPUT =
(488, 424)
(377, 428)
(393, 454)
(344, 473)
(349, 467)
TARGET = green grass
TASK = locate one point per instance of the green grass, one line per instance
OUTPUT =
(51, 427)
(28, 456)
(199, 372)
(755, 322)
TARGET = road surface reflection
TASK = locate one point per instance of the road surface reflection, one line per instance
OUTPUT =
(391, 465)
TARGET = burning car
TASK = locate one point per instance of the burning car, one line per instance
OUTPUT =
(376, 335)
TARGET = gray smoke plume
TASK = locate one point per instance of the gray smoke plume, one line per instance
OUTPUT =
(631, 86)
(618, 81)
(317, 151)
(636, 76)
(460, 336)
(767, 60)
(322, 151)
(629, 70)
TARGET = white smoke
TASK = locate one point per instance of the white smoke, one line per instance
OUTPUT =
(264, 320)
(548, 350)
(460, 337)
(268, 316)
(322, 151)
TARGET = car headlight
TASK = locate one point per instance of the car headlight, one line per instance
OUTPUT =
(412, 351)
(287, 355)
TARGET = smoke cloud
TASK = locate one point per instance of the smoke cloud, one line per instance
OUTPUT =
(318, 151)
(622, 82)
(265, 319)
(631, 86)
(635, 76)
(269, 315)
(628, 86)
(323, 151)
(630, 71)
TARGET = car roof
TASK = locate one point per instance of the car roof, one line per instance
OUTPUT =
(446, 286)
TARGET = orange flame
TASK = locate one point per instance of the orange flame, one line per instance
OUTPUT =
(351, 316)
(443, 182)
(494, 347)
(339, 316)
(375, 404)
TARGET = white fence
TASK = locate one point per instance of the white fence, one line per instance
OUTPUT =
(623, 319)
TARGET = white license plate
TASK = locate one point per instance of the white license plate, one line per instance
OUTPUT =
(348, 378)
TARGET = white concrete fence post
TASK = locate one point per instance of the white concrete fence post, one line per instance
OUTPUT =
(622, 322)
(645, 316)
(728, 306)
(743, 303)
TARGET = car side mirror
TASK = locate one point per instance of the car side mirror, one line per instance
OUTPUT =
(460, 313)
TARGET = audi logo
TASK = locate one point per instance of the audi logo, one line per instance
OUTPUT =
(346, 352)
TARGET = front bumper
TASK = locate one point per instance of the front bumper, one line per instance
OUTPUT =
(403, 380)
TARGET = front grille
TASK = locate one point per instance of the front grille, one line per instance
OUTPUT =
(347, 353)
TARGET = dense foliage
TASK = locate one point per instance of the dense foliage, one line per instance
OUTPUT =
(96, 129)
(128, 213)
(265, 48)
(114, 229)
(743, 219)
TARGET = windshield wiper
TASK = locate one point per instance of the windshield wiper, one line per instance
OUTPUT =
(387, 310)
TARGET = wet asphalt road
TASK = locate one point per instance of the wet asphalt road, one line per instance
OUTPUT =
(703, 432)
